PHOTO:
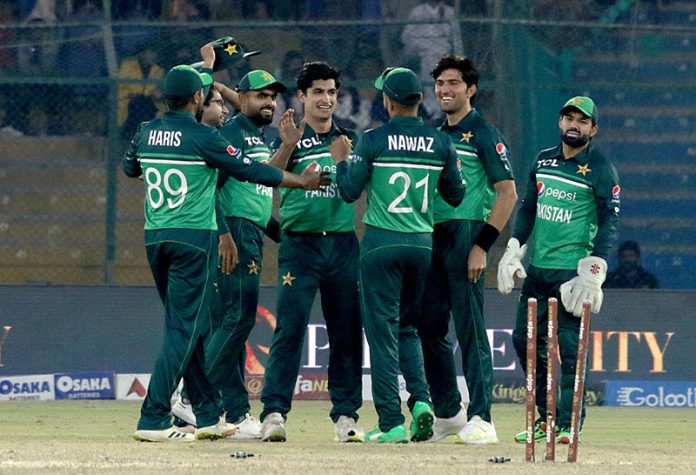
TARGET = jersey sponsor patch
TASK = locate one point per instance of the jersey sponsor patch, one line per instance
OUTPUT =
(501, 149)
(540, 189)
(233, 151)
(616, 192)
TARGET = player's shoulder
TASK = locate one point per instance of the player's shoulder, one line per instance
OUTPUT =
(548, 153)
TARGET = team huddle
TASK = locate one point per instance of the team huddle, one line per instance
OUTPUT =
(437, 200)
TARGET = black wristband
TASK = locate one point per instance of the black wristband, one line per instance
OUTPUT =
(487, 237)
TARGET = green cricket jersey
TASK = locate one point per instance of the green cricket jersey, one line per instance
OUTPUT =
(572, 205)
(483, 158)
(240, 199)
(320, 210)
(178, 159)
(402, 164)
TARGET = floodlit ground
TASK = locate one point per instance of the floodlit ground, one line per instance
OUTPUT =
(95, 437)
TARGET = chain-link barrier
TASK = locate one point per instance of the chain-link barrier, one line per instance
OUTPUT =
(73, 92)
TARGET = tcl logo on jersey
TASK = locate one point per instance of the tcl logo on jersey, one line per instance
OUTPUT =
(543, 191)
(549, 162)
(308, 142)
(233, 151)
(616, 192)
(253, 141)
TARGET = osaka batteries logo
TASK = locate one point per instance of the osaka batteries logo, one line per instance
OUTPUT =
(616, 192)
(540, 189)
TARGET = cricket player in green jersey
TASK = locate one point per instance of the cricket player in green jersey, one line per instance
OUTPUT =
(571, 205)
(319, 252)
(178, 159)
(401, 165)
(247, 210)
(461, 241)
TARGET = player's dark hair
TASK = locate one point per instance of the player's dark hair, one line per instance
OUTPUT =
(317, 70)
(630, 246)
(175, 103)
(463, 64)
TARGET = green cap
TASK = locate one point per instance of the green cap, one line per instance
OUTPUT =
(400, 84)
(259, 79)
(583, 104)
(184, 81)
(227, 52)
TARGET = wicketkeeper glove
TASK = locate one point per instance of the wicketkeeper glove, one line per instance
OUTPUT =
(587, 286)
(510, 265)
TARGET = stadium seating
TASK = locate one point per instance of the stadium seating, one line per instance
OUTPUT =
(647, 126)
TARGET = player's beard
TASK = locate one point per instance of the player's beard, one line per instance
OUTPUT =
(260, 120)
(575, 142)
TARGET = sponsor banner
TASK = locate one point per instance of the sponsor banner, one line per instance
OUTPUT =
(132, 387)
(513, 391)
(254, 385)
(642, 335)
(92, 385)
(650, 393)
(38, 387)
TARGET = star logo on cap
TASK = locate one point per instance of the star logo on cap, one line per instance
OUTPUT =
(288, 278)
(266, 76)
(466, 137)
(231, 49)
(253, 268)
(576, 101)
(584, 169)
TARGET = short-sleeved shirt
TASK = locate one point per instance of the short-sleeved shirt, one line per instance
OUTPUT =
(572, 205)
(320, 210)
(241, 199)
(402, 164)
(484, 159)
(178, 159)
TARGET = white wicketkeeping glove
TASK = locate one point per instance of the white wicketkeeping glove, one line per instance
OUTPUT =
(510, 265)
(587, 286)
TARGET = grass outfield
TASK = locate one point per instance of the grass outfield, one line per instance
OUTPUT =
(95, 437)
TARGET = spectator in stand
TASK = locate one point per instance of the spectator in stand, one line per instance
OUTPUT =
(7, 55)
(630, 274)
(188, 10)
(128, 9)
(425, 43)
(352, 112)
(288, 72)
(137, 102)
(82, 57)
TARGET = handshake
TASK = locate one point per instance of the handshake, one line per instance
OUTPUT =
(586, 287)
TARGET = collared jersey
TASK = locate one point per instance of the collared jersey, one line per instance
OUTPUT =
(402, 164)
(484, 160)
(320, 210)
(572, 205)
(178, 159)
(241, 199)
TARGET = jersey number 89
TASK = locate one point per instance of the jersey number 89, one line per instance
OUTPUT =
(155, 182)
